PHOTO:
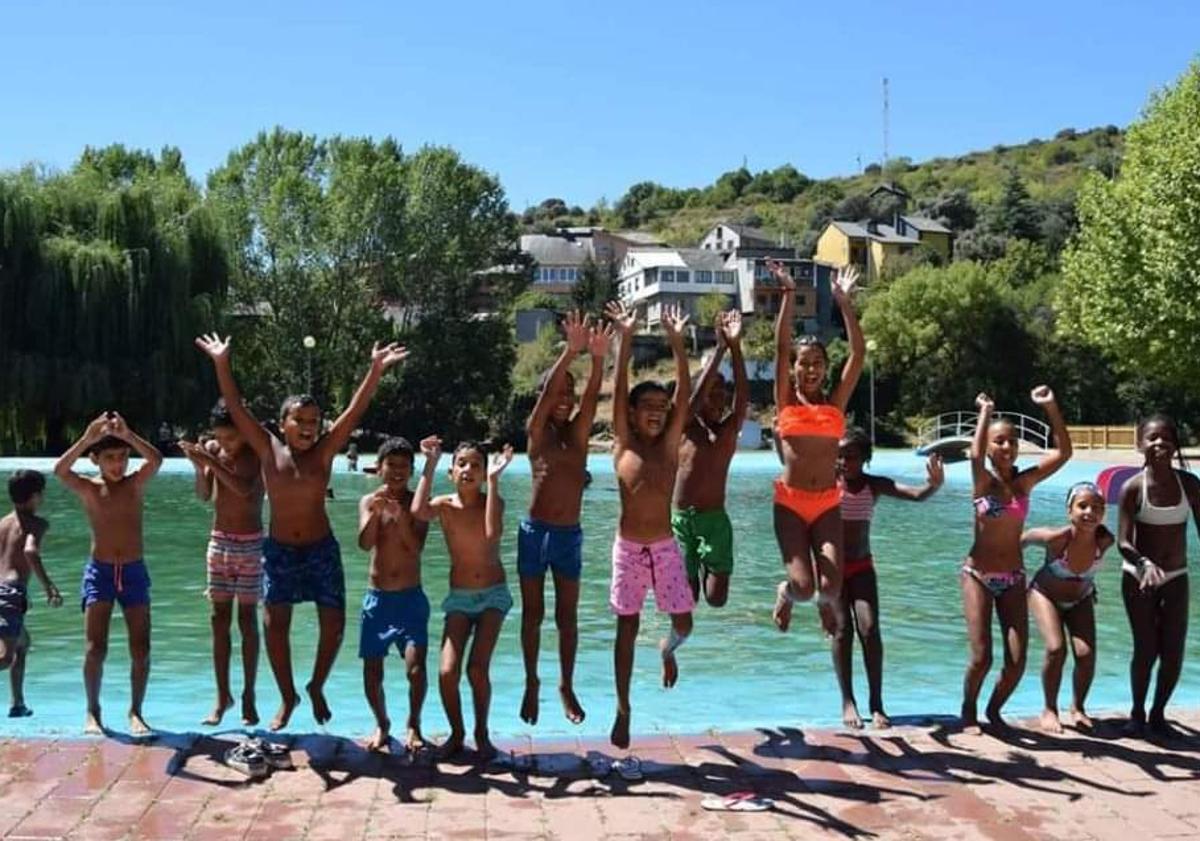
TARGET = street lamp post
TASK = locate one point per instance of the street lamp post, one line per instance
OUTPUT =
(310, 343)
(871, 345)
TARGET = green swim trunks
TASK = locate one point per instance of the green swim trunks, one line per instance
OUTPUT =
(706, 538)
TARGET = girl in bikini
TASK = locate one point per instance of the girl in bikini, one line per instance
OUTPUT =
(1063, 593)
(993, 575)
(809, 425)
(860, 595)
(1152, 530)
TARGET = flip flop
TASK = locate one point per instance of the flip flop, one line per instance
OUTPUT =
(742, 801)
(246, 760)
(601, 766)
(276, 755)
(629, 768)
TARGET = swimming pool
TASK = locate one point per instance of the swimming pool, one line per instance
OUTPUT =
(737, 670)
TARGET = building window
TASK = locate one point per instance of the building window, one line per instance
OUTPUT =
(666, 275)
(703, 276)
(681, 276)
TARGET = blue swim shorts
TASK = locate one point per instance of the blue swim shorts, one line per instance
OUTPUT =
(393, 617)
(541, 546)
(13, 604)
(473, 602)
(127, 584)
(312, 573)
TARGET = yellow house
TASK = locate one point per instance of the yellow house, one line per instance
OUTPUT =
(871, 246)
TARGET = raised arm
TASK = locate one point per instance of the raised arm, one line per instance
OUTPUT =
(382, 358)
(843, 291)
(33, 557)
(431, 448)
(64, 467)
(622, 321)
(1054, 459)
(493, 513)
(935, 476)
(576, 330)
(257, 437)
(153, 458)
(599, 341)
(1040, 536)
(197, 454)
(673, 322)
(741, 382)
(783, 334)
(979, 442)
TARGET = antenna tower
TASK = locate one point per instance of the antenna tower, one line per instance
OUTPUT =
(885, 120)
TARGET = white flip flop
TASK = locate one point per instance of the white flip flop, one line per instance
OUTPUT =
(742, 801)
(630, 768)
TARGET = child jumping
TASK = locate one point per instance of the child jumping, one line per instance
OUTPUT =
(700, 522)
(395, 610)
(115, 570)
(859, 601)
(1152, 530)
(472, 523)
(647, 429)
(302, 561)
(1063, 592)
(229, 473)
(550, 538)
(993, 575)
(21, 533)
(809, 424)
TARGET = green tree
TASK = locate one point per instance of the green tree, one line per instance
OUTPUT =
(1015, 215)
(707, 308)
(1132, 275)
(595, 285)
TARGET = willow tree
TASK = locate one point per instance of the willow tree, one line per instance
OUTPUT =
(107, 272)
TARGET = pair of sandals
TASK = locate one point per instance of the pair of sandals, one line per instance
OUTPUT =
(739, 801)
(256, 758)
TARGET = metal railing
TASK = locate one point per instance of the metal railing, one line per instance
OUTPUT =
(962, 425)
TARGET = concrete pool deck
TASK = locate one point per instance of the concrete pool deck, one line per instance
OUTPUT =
(916, 781)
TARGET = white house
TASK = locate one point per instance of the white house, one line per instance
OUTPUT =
(651, 278)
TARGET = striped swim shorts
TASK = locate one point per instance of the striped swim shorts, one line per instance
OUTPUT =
(235, 567)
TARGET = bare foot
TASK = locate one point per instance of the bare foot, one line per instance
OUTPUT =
(19, 711)
(1157, 724)
(249, 710)
(1135, 728)
(783, 607)
(1081, 720)
(995, 718)
(484, 748)
(379, 739)
(529, 704)
(850, 716)
(286, 707)
(451, 747)
(316, 695)
(414, 742)
(970, 721)
(571, 707)
(92, 725)
(138, 728)
(218, 711)
(1050, 722)
(880, 720)
(620, 729)
(670, 667)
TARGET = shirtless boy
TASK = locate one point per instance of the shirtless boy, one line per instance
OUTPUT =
(302, 561)
(21, 534)
(229, 473)
(115, 571)
(648, 428)
(472, 523)
(700, 523)
(550, 537)
(395, 610)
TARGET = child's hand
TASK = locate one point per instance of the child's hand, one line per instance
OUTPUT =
(731, 328)
(600, 340)
(576, 328)
(622, 318)
(673, 321)
(935, 470)
(984, 403)
(1042, 395)
(195, 453)
(384, 507)
(499, 461)
(385, 356)
(431, 448)
(117, 426)
(53, 596)
(781, 275)
(98, 428)
(843, 287)
(212, 344)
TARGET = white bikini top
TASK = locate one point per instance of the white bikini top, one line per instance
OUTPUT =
(1169, 515)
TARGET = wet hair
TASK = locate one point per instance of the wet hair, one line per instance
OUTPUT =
(642, 388)
(1083, 487)
(395, 446)
(857, 437)
(463, 446)
(23, 484)
(108, 442)
(294, 402)
(1173, 428)
(811, 341)
(219, 416)
(544, 380)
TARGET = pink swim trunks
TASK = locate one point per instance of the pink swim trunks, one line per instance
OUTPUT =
(235, 567)
(638, 567)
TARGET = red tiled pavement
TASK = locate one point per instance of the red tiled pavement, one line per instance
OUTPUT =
(915, 783)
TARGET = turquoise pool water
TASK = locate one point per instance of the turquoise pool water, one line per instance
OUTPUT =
(737, 671)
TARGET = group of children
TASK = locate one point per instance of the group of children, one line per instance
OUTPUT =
(672, 452)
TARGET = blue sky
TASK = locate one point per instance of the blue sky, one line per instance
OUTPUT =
(580, 100)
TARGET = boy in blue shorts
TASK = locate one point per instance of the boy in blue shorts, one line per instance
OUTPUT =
(115, 572)
(395, 610)
(21, 535)
(550, 538)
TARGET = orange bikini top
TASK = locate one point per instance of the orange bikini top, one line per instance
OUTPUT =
(823, 420)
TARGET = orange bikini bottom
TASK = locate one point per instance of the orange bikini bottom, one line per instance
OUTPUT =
(809, 506)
